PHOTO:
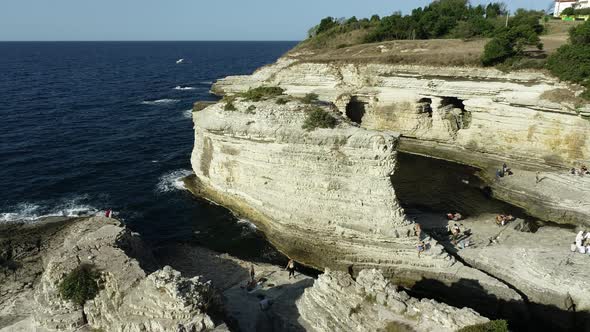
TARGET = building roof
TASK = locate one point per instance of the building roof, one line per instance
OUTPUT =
(565, 0)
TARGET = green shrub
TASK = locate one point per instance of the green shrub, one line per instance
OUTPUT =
(262, 92)
(572, 62)
(496, 51)
(281, 101)
(318, 118)
(251, 109)
(398, 327)
(580, 35)
(491, 326)
(229, 106)
(80, 285)
(310, 98)
(568, 11)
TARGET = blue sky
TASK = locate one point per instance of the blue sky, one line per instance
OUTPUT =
(189, 19)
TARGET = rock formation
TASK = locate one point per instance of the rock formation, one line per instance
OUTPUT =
(129, 299)
(326, 199)
(475, 116)
(323, 197)
(336, 302)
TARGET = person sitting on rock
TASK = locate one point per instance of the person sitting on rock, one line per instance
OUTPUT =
(506, 170)
(573, 171)
(450, 216)
(500, 219)
(457, 216)
(584, 170)
(421, 247)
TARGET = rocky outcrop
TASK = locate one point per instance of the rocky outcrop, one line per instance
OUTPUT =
(129, 299)
(323, 197)
(475, 116)
(336, 302)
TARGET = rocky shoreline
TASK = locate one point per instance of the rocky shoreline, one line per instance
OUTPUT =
(136, 294)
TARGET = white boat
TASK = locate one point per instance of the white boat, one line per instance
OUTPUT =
(179, 61)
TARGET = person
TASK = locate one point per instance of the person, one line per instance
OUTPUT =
(584, 170)
(417, 230)
(109, 213)
(500, 219)
(573, 171)
(252, 273)
(573, 247)
(421, 247)
(506, 170)
(291, 268)
(450, 216)
(455, 231)
(457, 216)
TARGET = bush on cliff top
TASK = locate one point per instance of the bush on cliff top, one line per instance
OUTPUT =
(80, 285)
(572, 62)
(491, 326)
(318, 118)
(262, 92)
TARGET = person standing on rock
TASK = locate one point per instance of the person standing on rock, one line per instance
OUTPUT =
(417, 230)
(252, 273)
(291, 268)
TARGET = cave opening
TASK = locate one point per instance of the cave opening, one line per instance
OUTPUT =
(425, 106)
(434, 187)
(355, 110)
(457, 106)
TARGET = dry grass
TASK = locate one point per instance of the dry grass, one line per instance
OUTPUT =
(563, 96)
(437, 52)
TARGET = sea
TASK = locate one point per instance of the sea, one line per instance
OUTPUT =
(91, 126)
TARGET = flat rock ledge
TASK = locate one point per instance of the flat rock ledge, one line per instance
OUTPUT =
(336, 302)
(128, 300)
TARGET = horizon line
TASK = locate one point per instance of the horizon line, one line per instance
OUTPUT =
(139, 41)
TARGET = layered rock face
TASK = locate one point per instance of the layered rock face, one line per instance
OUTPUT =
(475, 116)
(323, 197)
(128, 299)
(336, 302)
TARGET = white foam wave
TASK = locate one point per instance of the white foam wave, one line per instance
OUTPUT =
(206, 82)
(160, 102)
(173, 181)
(183, 88)
(188, 114)
(247, 223)
(29, 212)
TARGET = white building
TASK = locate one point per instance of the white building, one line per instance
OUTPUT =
(560, 5)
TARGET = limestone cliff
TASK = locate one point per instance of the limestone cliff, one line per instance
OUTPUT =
(129, 299)
(323, 197)
(476, 116)
(336, 302)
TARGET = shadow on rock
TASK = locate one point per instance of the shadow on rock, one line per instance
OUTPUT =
(521, 316)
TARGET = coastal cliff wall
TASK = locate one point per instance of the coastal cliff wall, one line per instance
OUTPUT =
(323, 197)
(475, 116)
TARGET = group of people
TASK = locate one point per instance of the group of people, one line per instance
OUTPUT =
(504, 171)
(583, 170)
(582, 243)
(454, 216)
(503, 219)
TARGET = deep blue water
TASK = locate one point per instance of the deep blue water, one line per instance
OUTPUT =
(96, 125)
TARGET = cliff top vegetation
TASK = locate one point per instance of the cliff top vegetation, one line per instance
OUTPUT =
(446, 32)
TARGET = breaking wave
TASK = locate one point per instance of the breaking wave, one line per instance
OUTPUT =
(183, 88)
(188, 114)
(30, 212)
(160, 102)
(172, 181)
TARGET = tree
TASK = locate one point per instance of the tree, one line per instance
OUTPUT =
(375, 18)
(326, 24)
(569, 11)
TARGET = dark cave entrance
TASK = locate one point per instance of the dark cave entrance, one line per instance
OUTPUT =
(456, 105)
(355, 110)
(439, 186)
(425, 106)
